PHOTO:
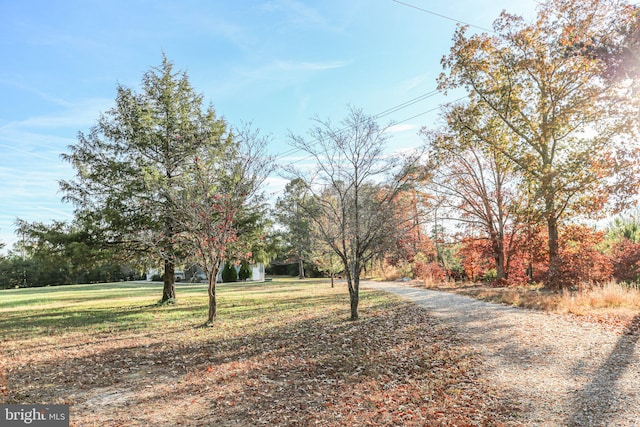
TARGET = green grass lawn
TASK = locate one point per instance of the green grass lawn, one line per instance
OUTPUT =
(280, 353)
(128, 306)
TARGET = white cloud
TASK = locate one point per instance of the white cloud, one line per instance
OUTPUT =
(412, 83)
(81, 114)
(43, 95)
(307, 66)
(26, 155)
(288, 71)
(298, 13)
(274, 186)
(402, 127)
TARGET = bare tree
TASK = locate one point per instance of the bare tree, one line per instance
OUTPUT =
(476, 180)
(353, 190)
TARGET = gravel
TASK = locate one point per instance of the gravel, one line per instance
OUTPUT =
(563, 372)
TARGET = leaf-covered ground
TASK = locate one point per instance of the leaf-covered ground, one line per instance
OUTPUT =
(282, 353)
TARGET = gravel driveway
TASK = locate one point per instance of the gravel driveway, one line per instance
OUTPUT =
(562, 371)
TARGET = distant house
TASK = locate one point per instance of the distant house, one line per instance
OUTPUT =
(153, 272)
(257, 273)
(156, 273)
(196, 274)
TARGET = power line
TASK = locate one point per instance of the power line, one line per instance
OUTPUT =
(401, 121)
(384, 113)
(407, 103)
(431, 110)
(410, 102)
(442, 16)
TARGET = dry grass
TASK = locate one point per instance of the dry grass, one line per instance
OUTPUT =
(613, 303)
(392, 274)
(611, 297)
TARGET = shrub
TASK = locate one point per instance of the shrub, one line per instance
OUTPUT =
(434, 273)
(245, 271)
(626, 261)
(490, 275)
(583, 263)
(229, 273)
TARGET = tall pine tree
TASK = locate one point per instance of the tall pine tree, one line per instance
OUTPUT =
(129, 166)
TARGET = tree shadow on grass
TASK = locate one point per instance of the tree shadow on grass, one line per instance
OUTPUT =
(597, 402)
(391, 364)
(36, 323)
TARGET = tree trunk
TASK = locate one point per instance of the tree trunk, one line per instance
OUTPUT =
(300, 267)
(500, 276)
(212, 299)
(169, 290)
(354, 296)
(554, 255)
(500, 265)
(498, 252)
(332, 276)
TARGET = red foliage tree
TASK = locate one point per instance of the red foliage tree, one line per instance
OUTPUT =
(625, 256)
(528, 259)
(583, 260)
(476, 256)
(222, 186)
(411, 244)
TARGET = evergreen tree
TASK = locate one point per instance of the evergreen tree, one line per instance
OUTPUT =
(130, 165)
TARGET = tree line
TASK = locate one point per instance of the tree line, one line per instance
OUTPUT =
(544, 141)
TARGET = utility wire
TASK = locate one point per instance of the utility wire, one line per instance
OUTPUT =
(441, 16)
(384, 113)
(431, 110)
(401, 121)
(406, 103)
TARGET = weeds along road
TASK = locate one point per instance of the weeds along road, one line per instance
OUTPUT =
(562, 371)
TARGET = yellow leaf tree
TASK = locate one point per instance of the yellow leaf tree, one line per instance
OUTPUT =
(567, 127)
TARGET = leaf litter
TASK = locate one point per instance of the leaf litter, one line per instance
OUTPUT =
(295, 367)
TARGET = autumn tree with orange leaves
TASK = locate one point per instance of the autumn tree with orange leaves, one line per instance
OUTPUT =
(567, 128)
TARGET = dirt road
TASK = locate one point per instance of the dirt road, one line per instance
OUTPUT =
(563, 371)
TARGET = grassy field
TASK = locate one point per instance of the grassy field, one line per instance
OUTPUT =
(280, 353)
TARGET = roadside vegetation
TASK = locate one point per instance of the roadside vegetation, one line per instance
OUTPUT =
(613, 304)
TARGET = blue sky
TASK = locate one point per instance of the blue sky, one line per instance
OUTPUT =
(275, 63)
